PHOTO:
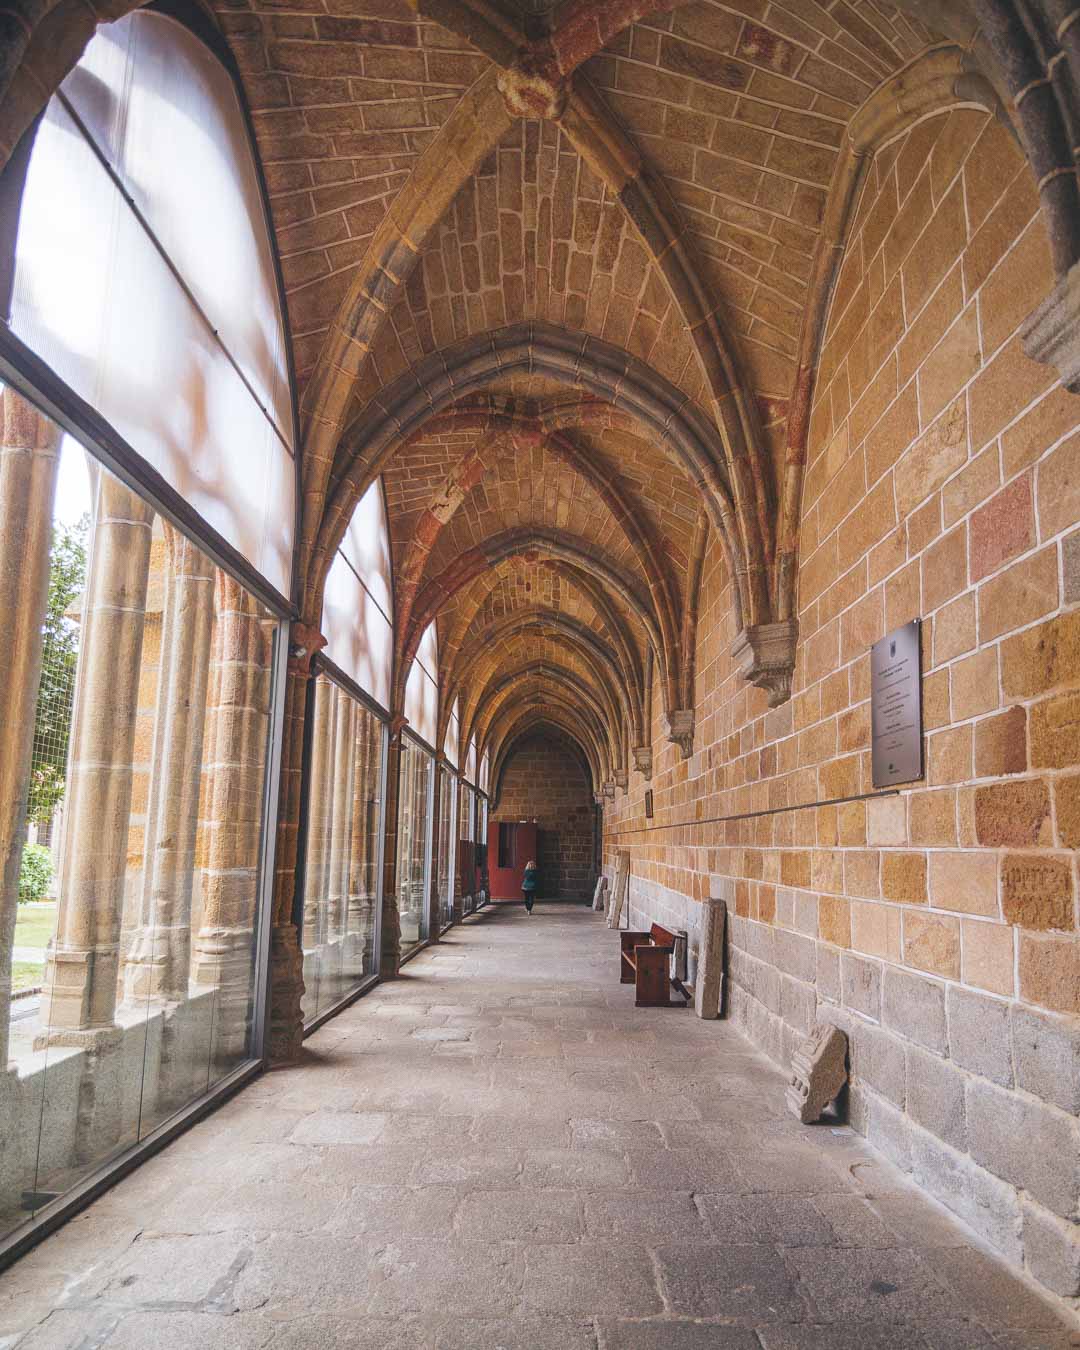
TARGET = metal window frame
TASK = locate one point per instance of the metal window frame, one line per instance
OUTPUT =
(322, 665)
(425, 748)
(111, 1170)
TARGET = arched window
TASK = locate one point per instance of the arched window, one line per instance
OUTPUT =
(469, 770)
(422, 687)
(144, 276)
(160, 525)
(453, 734)
(357, 601)
(485, 771)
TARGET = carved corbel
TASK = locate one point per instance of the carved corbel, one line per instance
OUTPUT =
(765, 655)
(1051, 335)
(643, 760)
(609, 789)
(304, 641)
(622, 780)
(680, 725)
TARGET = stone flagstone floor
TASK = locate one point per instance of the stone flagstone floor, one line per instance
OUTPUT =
(499, 1151)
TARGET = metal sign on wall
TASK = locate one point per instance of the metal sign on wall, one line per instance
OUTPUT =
(896, 706)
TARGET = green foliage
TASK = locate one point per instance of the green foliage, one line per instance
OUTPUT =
(59, 653)
(35, 873)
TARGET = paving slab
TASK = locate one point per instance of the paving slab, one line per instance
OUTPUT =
(498, 1151)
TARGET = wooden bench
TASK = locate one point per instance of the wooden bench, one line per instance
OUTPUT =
(644, 961)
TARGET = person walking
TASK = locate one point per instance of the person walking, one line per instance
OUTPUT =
(528, 885)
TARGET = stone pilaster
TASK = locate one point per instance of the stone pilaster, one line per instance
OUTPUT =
(29, 456)
(238, 726)
(159, 959)
(81, 976)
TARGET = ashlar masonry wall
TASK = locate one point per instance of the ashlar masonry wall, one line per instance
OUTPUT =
(545, 780)
(938, 926)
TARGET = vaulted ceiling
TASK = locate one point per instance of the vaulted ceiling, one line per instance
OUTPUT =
(548, 272)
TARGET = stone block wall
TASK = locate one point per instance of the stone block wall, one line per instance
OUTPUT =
(937, 925)
(544, 779)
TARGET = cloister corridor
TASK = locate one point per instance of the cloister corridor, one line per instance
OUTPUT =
(499, 1150)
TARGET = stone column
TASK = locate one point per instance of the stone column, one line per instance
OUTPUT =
(360, 915)
(340, 850)
(390, 956)
(434, 923)
(286, 1024)
(159, 960)
(29, 456)
(318, 824)
(81, 977)
(237, 729)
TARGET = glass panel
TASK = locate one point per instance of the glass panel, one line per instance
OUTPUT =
(163, 111)
(422, 689)
(94, 297)
(366, 546)
(359, 636)
(414, 842)
(453, 735)
(482, 881)
(356, 602)
(466, 847)
(140, 859)
(344, 820)
(446, 843)
(470, 762)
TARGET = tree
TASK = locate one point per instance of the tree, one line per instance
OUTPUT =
(59, 653)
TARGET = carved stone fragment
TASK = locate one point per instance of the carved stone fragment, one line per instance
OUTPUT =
(818, 1072)
(709, 980)
(599, 900)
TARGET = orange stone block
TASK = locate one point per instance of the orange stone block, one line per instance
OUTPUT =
(1037, 890)
(1013, 814)
(903, 877)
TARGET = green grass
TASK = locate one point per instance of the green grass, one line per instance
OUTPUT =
(34, 925)
(26, 975)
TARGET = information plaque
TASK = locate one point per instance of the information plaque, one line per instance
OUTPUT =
(896, 706)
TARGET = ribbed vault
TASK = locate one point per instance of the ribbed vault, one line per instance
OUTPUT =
(559, 276)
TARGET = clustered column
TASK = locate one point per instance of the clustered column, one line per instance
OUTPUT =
(316, 865)
(29, 457)
(237, 727)
(159, 957)
(335, 897)
(390, 956)
(360, 917)
(81, 977)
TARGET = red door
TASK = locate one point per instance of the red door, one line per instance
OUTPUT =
(511, 844)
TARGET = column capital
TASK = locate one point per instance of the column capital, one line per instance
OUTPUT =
(765, 654)
(304, 641)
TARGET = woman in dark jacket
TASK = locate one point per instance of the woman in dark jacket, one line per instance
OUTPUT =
(529, 885)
